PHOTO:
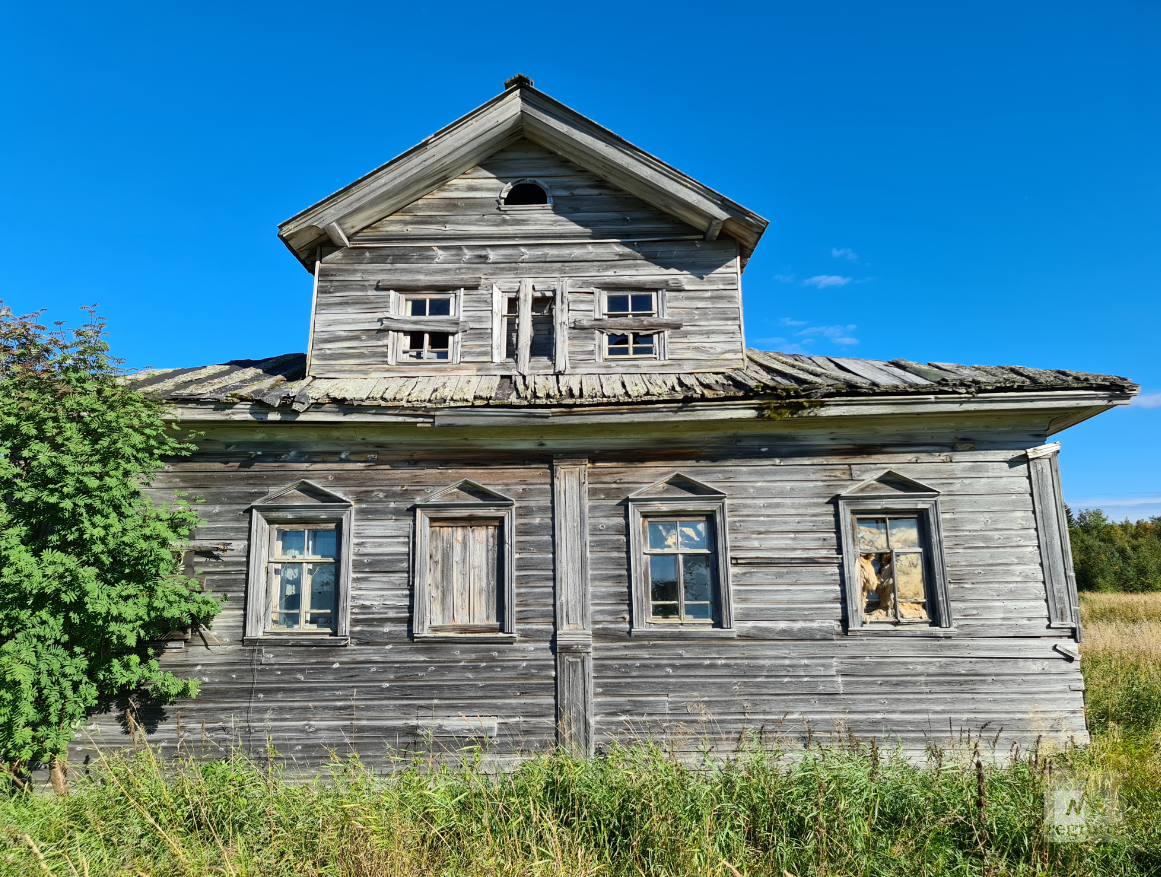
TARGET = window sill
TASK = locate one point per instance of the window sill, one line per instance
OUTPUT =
(499, 638)
(683, 632)
(923, 632)
(296, 640)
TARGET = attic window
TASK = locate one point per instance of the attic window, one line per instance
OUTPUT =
(525, 195)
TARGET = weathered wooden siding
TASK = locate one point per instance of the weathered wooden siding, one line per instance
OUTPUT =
(789, 666)
(592, 232)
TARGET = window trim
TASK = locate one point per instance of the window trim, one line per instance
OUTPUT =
(643, 506)
(439, 508)
(524, 208)
(394, 324)
(660, 336)
(265, 517)
(524, 290)
(871, 498)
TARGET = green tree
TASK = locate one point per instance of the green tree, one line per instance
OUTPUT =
(1111, 556)
(90, 568)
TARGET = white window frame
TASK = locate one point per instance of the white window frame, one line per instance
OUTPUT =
(660, 337)
(525, 290)
(445, 506)
(871, 499)
(397, 306)
(642, 507)
(265, 518)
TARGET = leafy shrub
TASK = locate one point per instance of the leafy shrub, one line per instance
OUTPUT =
(90, 569)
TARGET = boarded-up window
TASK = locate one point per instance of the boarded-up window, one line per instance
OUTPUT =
(463, 575)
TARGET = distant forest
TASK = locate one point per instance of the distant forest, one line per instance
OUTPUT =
(1115, 557)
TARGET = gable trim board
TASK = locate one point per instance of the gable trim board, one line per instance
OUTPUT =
(520, 111)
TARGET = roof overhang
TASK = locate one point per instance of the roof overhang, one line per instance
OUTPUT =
(519, 112)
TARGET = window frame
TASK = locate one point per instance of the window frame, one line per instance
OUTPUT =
(273, 559)
(866, 501)
(397, 307)
(265, 518)
(525, 291)
(644, 507)
(660, 337)
(437, 509)
(524, 208)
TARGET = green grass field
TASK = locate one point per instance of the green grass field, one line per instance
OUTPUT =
(845, 807)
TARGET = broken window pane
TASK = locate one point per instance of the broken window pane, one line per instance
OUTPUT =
(416, 307)
(618, 345)
(322, 594)
(289, 595)
(695, 576)
(542, 328)
(439, 307)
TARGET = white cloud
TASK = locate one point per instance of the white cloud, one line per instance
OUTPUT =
(1147, 400)
(784, 278)
(844, 253)
(822, 281)
(836, 334)
(786, 321)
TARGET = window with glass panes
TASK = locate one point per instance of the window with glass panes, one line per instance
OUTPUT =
(641, 345)
(892, 568)
(427, 345)
(303, 560)
(681, 568)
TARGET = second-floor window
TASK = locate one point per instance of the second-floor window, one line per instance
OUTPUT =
(631, 344)
(434, 346)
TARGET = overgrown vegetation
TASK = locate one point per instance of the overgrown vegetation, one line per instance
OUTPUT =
(89, 567)
(845, 807)
(1115, 557)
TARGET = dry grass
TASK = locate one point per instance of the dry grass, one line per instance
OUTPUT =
(1122, 661)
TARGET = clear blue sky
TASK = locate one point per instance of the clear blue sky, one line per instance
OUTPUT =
(972, 183)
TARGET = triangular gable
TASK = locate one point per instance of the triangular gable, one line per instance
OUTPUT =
(677, 486)
(466, 492)
(303, 493)
(890, 483)
(520, 111)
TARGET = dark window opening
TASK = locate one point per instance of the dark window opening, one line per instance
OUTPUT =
(523, 194)
(511, 327)
(542, 328)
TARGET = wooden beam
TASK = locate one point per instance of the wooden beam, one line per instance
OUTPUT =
(524, 333)
(336, 235)
(451, 325)
(637, 283)
(399, 284)
(628, 324)
(713, 229)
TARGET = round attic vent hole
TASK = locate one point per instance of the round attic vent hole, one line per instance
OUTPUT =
(525, 194)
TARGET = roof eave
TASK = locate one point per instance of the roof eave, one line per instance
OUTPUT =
(519, 111)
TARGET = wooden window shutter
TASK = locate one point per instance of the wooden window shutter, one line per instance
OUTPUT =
(1052, 529)
(560, 340)
(497, 324)
(463, 575)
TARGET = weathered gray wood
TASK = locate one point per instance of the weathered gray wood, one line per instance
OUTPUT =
(1055, 551)
(412, 284)
(627, 324)
(422, 324)
(573, 640)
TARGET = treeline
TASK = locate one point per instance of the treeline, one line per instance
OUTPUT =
(1115, 557)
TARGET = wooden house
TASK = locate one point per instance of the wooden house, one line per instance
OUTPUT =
(527, 485)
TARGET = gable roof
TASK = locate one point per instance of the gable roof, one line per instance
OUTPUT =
(520, 111)
(280, 380)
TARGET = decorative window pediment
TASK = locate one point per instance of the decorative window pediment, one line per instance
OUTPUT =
(677, 486)
(889, 484)
(301, 494)
(893, 563)
(465, 492)
(465, 554)
(680, 559)
(298, 589)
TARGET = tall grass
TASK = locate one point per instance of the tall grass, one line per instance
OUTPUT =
(846, 807)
